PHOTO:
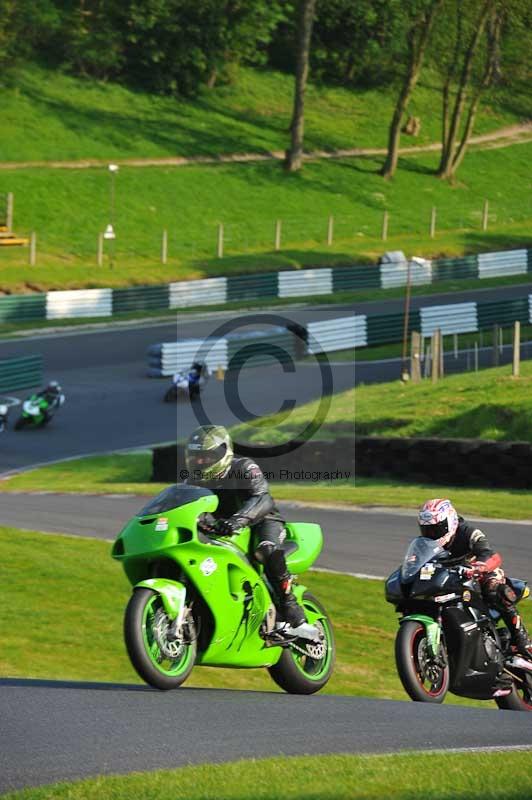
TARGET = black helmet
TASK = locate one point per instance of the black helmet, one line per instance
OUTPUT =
(53, 387)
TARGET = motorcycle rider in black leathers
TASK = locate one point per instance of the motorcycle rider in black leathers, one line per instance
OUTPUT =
(439, 521)
(244, 500)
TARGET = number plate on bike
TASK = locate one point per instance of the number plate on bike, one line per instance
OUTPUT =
(427, 572)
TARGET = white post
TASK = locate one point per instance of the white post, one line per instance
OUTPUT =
(9, 212)
(100, 249)
(476, 356)
(455, 344)
(330, 230)
(433, 222)
(278, 231)
(485, 213)
(517, 349)
(385, 226)
(33, 249)
(220, 248)
(164, 247)
(500, 340)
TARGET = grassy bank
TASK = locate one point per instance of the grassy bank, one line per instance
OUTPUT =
(409, 776)
(68, 209)
(62, 648)
(489, 404)
(79, 118)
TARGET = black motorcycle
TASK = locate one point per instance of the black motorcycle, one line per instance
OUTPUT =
(449, 639)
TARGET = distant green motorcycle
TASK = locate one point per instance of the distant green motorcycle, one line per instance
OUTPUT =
(37, 411)
(198, 599)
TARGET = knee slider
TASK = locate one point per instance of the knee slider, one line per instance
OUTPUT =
(507, 594)
(264, 551)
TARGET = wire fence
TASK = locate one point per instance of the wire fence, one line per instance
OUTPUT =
(188, 240)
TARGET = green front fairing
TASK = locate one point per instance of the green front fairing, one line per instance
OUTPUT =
(43, 405)
(432, 628)
(235, 594)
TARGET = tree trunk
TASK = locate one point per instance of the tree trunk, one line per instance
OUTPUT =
(417, 43)
(294, 154)
(448, 147)
(487, 78)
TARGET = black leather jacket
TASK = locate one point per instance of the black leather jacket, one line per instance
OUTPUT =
(243, 492)
(470, 542)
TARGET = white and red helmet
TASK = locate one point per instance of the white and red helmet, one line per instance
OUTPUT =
(438, 520)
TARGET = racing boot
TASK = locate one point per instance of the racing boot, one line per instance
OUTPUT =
(519, 636)
(288, 605)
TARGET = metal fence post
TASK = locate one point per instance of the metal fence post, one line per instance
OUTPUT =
(435, 355)
(9, 212)
(330, 230)
(33, 249)
(415, 358)
(517, 349)
(433, 222)
(278, 232)
(476, 356)
(384, 226)
(485, 213)
(100, 249)
(495, 345)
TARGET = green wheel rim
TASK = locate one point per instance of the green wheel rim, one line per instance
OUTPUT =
(315, 669)
(167, 666)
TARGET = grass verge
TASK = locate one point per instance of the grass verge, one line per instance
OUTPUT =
(60, 580)
(408, 776)
(130, 474)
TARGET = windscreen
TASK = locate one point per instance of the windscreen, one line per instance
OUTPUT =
(420, 550)
(173, 497)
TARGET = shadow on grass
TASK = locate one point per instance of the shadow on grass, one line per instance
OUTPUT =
(273, 261)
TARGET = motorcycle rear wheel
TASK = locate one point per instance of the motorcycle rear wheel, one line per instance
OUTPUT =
(520, 699)
(144, 609)
(299, 673)
(423, 681)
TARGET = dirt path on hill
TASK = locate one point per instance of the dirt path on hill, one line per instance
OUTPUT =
(503, 137)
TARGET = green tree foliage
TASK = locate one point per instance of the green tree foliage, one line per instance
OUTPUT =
(178, 45)
(24, 26)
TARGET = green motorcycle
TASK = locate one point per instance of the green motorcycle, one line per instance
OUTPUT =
(37, 411)
(199, 599)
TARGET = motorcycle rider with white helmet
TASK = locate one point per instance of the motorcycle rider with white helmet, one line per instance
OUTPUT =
(244, 500)
(439, 521)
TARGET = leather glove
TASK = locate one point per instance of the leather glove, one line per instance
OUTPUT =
(476, 571)
(207, 523)
(227, 527)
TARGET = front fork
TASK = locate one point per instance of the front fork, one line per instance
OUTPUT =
(433, 630)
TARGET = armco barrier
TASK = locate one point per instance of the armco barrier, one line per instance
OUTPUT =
(20, 373)
(453, 462)
(260, 286)
(231, 352)
(88, 303)
(22, 307)
(337, 334)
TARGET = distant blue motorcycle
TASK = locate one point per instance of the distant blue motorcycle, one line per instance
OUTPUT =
(188, 384)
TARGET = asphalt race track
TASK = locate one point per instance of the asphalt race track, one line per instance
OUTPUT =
(111, 404)
(56, 730)
(120, 729)
(370, 542)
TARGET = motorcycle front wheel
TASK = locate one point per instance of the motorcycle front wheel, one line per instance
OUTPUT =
(423, 679)
(161, 662)
(20, 423)
(306, 667)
